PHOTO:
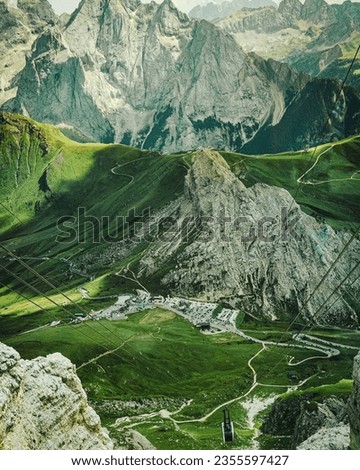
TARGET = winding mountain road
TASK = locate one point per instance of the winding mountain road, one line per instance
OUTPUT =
(353, 177)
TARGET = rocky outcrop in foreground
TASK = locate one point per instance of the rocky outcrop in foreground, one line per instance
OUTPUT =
(354, 407)
(44, 407)
(315, 423)
(309, 423)
(336, 438)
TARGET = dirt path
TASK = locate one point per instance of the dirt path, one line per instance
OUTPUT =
(85, 295)
(133, 279)
(299, 180)
(222, 405)
(107, 353)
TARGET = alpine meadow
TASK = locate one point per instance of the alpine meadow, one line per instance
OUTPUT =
(179, 225)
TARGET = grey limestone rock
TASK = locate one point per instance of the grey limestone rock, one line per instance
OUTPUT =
(44, 407)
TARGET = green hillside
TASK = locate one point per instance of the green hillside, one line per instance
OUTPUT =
(46, 176)
(158, 360)
(330, 190)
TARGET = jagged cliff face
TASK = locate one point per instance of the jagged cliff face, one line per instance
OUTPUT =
(318, 94)
(44, 407)
(215, 10)
(20, 23)
(313, 37)
(148, 76)
(354, 407)
(309, 424)
(287, 15)
(317, 423)
(240, 247)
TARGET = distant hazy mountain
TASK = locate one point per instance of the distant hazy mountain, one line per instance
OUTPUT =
(313, 37)
(216, 10)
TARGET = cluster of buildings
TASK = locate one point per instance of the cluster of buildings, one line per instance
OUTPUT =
(204, 315)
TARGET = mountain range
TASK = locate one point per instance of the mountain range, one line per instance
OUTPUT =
(215, 10)
(312, 37)
(179, 218)
(148, 76)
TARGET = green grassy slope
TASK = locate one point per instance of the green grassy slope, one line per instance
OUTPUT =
(45, 176)
(330, 190)
(41, 169)
(162, 362)
(76, 175)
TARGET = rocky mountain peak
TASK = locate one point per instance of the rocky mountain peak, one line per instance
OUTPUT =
(90, 9)
(261, 273)
(34, 13)
(290, 8)
(44, 407)
(94, 11)
(169, 4)
(317, 11)
(170, 17)
(37, 10)
(313, 5)
(210, 164)
(101, 5)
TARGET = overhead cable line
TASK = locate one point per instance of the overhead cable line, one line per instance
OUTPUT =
(87, 324)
